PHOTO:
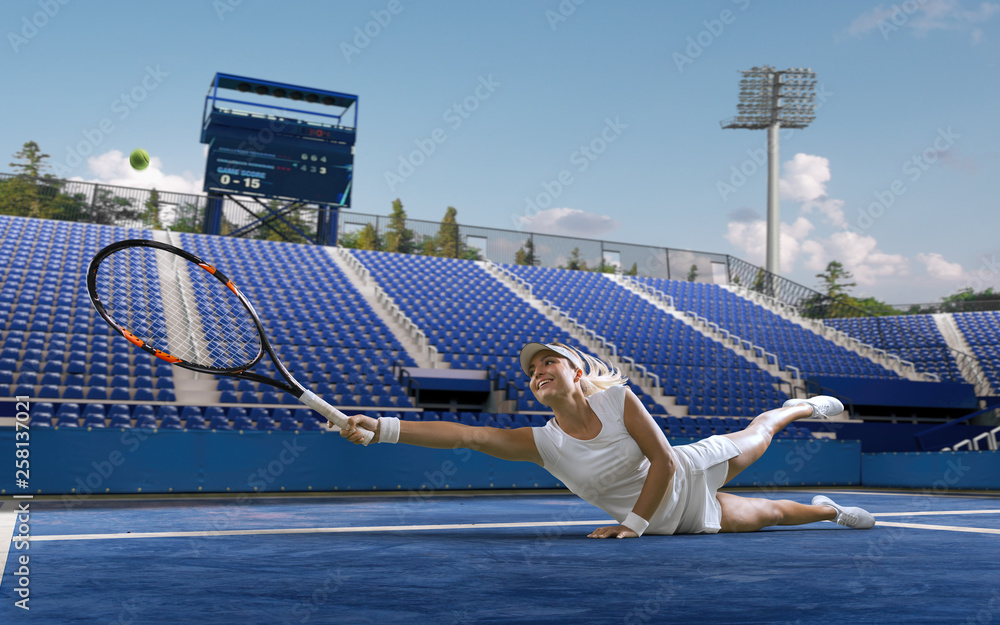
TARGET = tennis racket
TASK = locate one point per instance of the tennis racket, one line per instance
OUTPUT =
(211, 325)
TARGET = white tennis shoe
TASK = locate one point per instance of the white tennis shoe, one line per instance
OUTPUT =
(823, 406)
(857, 518)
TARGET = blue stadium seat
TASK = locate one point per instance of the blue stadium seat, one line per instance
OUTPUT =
(220, 422)
(94, 421)
(171, 422)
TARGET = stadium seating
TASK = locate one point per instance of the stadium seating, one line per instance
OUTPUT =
(915, 338)
(55, 349)
(703, 375)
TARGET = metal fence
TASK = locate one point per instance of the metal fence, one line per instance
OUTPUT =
(72, 200)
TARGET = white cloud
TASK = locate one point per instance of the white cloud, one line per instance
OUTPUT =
(832, 210)
(571, 222)
(751, 238)
(860, 255)
(924, 17)
(940, 269)
(112, 168)
(804, 178)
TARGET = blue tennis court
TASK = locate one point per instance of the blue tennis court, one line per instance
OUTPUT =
(495, 558)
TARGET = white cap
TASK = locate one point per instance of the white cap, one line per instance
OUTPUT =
(528, 352)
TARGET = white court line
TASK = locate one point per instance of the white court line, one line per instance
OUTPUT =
(966, 495)
(935, 513)
(315, 530)
(947, 528)
(8, 520)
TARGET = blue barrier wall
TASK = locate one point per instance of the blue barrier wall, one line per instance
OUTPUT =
(80, 462)
(938, 471)
(890, 393)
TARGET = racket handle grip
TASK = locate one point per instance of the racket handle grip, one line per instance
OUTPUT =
(332, 415)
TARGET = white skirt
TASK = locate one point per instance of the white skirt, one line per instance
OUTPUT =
(706, 464)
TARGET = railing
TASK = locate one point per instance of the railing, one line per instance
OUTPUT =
(924, 445)
(131, 207)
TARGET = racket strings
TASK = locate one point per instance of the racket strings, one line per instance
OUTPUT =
(206, 323)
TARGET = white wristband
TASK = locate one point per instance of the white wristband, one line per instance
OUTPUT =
(388, 430)
(635, 523)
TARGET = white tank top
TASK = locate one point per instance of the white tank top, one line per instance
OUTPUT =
(609, 470)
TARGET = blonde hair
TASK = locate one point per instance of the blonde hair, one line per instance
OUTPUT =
(597, 375)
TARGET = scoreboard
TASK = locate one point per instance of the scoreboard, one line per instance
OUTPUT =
(305, 170)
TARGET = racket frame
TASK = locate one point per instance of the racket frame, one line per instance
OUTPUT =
(291, 385)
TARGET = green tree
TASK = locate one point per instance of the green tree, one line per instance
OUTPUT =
(634, 271)
(399, 238)
(448, 243)
(34, 191)
(526, 255)
(574, 261)
(872, 306)
(369, 238)
(834, 281)
(31, 162)
(189, 218)
(692, 273)
(108, 209)
(968, 299)
(151, 215)
(283, 228)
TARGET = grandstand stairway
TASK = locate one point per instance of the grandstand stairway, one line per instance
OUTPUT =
(411, 337)
(753, 353)
(878, 356)
(598, 344)
(969, 365)
(192, 387)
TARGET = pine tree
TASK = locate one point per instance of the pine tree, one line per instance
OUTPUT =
(833, 282)
(447, 242)
(31, 162)
(151, 216)
(526, 255)
(398, 237)
(574, 261)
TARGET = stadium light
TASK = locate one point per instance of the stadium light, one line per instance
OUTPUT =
(774, 99)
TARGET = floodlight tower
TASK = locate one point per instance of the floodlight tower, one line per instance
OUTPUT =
(774, 99)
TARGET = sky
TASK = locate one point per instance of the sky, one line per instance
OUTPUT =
(586, 118)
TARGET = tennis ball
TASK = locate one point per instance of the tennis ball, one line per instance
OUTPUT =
(139, 159)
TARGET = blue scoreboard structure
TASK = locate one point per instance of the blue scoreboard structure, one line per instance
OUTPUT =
(290, 152)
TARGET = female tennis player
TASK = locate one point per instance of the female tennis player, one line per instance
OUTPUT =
(606, 448)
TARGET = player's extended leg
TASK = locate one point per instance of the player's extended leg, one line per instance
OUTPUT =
(755, 439)
(749, 514)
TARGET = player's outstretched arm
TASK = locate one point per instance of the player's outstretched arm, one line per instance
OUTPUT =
(515, 444)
